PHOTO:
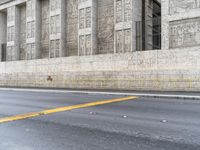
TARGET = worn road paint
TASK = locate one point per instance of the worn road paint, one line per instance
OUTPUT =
(61, 109)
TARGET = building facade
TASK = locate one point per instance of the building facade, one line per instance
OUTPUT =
(101, 44)
(37, 29)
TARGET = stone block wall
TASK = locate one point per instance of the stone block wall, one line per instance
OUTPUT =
(167, 70)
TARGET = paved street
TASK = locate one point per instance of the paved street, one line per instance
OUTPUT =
(135, 124)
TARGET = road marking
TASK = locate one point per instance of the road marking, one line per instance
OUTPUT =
(61, 109)
(153, 95)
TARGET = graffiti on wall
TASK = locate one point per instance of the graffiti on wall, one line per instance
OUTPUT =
(181, 6)
(185, 33)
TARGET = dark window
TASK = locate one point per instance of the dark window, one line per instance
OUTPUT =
(3, 48)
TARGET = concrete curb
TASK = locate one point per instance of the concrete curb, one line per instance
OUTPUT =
(174, 96)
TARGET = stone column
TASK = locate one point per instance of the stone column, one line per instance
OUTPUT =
(13, 33)
(2, 31)
(57, 28)
(87, 14)
(127, 12)
(148, 25)
(165, 24)
(33, 27)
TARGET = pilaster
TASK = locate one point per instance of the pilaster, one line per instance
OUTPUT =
(33, 27)
(57, 28)
(87, 14)
(12, 34)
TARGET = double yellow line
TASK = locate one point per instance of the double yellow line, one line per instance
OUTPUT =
(61, 109)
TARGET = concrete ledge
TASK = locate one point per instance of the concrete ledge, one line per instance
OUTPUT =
(177, 95)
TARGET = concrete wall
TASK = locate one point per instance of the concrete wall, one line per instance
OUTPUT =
(171, 70)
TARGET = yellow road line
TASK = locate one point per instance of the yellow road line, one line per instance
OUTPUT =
(61, 109)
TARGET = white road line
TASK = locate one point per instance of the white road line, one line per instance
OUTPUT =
(194, 97)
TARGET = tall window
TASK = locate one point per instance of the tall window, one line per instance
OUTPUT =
(10, 53)
(30, 51)
(30, 29)
(54, 48)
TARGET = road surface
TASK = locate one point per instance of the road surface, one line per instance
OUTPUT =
(133, 124)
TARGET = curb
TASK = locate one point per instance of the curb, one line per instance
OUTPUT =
(173, 96)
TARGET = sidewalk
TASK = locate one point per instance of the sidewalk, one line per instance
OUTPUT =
(176, 95)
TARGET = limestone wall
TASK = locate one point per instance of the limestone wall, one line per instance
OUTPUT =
(180, 23)
(171, 70)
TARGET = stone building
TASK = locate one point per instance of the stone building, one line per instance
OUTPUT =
(38, 29)
(100, 44)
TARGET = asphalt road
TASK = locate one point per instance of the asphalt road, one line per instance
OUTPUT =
(138, 124)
